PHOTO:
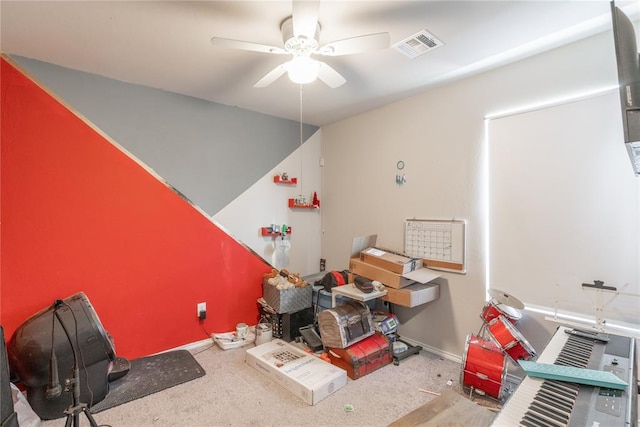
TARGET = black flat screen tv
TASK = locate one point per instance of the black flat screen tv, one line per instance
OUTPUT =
(628, 62)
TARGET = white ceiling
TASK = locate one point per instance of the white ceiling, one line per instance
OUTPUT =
(166, 45)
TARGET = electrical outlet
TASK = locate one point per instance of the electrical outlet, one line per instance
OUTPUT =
(202, 307)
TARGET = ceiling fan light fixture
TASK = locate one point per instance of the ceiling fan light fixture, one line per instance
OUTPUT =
(303, 70)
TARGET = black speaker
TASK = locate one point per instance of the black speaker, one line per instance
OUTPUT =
(30, 356)
(8, 417)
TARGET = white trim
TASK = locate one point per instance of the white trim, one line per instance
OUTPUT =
(436, 351)
(487, 212)
(191, 346)
(543, 44)
(578, 320)
(551, 103)
(446, 355)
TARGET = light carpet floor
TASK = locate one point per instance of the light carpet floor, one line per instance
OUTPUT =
(235, 394)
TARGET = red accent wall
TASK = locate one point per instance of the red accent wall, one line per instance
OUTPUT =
(77, 214)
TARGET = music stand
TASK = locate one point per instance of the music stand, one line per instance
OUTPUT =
(76, 407)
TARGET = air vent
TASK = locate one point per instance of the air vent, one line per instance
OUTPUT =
(418, 44)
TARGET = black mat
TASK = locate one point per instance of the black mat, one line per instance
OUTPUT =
(150, 375)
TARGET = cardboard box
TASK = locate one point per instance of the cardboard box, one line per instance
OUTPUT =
(372, 272)
(304, 375)
(287, 300)
(413, 295)
(391, 261)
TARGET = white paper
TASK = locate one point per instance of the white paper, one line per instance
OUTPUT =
(375, 252)
(422, 275)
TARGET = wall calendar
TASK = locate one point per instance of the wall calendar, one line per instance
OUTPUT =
(440, 243)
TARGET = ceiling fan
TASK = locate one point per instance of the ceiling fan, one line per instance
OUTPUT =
(300, 34)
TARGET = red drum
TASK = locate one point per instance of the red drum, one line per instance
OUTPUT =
(510, 340)
(493, 309)
(483, 366)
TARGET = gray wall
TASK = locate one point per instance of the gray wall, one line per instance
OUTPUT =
(209, 152)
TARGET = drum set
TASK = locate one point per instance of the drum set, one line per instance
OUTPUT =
(484, 366)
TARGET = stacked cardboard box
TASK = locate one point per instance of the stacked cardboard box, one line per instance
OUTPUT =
(392, 261)
(382, 275)
(398, 273)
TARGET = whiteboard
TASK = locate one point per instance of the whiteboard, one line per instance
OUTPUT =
(440, 243)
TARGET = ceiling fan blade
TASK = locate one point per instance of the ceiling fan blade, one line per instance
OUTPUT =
(242, 45)
(358, 44)
(331, 77)
(272, 76)
(305, 18)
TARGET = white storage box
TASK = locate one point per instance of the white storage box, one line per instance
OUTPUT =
(304, 375)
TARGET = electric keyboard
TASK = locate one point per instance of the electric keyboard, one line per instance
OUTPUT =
(544, 403)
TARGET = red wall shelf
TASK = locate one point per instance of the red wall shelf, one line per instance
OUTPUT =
(277, 179)
(265, 232)
(292, 204)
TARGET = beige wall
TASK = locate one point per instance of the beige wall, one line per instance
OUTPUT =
(440, 137)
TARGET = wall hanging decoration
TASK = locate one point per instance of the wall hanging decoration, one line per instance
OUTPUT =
(400, 177)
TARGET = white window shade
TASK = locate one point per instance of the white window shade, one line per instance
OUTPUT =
(564, 209)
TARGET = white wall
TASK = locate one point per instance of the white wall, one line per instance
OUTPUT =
(440, 137)
(266, 203)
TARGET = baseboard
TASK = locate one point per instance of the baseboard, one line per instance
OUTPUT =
(436, 351)
(191, 346)
(199, 344)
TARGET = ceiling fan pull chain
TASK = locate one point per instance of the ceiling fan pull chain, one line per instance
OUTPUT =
(301, 166)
